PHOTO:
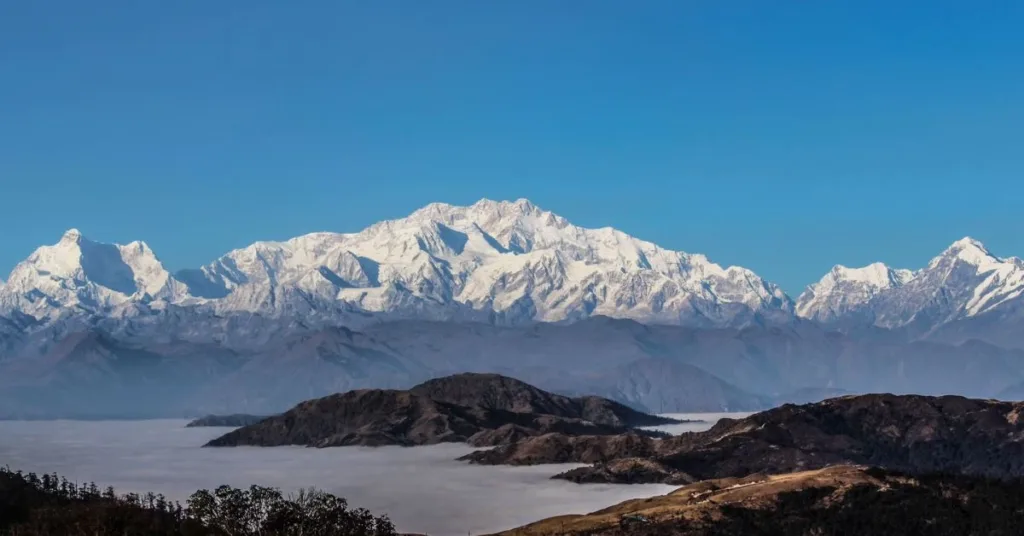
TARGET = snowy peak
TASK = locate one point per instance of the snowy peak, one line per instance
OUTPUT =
(845, 290)
(78, 273)
(63, 259)
(965, 280)
(71, 236)
(876, 275)
(969, 251)
(482, 209)
(517, 226)
(968, 258)
(149, 274)
(498, 261)
(77, 258)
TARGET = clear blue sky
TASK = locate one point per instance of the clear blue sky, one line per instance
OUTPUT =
(781, 136)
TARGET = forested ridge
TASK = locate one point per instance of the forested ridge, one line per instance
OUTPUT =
(49, 505)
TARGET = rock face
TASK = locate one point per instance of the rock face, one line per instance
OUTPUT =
(850, 500)
(481, 409)
(908, 433)
(234, 421)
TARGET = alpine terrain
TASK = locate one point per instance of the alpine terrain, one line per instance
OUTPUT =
(966, 292)
(501, 262)
(93, 329)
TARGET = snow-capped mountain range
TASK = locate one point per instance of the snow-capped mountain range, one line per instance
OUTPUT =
(966, 281)
(92, 329)
(846, 291)
(497, 262)
(503, 262)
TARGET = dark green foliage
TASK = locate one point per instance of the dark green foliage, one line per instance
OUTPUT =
(260, 510)
(33, 505)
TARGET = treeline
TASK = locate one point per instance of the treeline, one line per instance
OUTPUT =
(49, 505)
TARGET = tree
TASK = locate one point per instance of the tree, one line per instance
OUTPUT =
(34, 507)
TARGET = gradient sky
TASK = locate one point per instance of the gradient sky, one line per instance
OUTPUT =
(782, 136)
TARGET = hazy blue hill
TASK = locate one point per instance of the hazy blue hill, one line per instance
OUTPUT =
(166, 367)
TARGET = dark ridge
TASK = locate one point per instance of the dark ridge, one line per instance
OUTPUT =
(918, 434)
(480, 409)
(494, 391)
(234, 421)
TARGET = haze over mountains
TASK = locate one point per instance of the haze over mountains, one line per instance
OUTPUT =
(493, 287)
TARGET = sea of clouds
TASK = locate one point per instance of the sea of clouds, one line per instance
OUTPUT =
(422, 489)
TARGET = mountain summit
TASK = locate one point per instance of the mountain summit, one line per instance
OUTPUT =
(497, 261)
(966, 282)
(845, 290)
(77, 275)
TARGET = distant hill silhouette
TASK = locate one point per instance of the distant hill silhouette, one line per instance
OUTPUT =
(481, 409)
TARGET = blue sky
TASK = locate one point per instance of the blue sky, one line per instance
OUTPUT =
(781, 136)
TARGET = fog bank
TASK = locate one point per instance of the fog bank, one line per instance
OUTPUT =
(421, 489)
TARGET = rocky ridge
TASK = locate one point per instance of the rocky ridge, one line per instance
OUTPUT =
(910, 433)
(490, 410)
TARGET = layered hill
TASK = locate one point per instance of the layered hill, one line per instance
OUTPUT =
(907, 433)
(165, 366)
(481, 409)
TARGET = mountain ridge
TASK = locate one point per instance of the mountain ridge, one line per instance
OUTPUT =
(503, 262)
(964, 283)
(177, 366)
(913, 433)
(502, 287)
(507, 262)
